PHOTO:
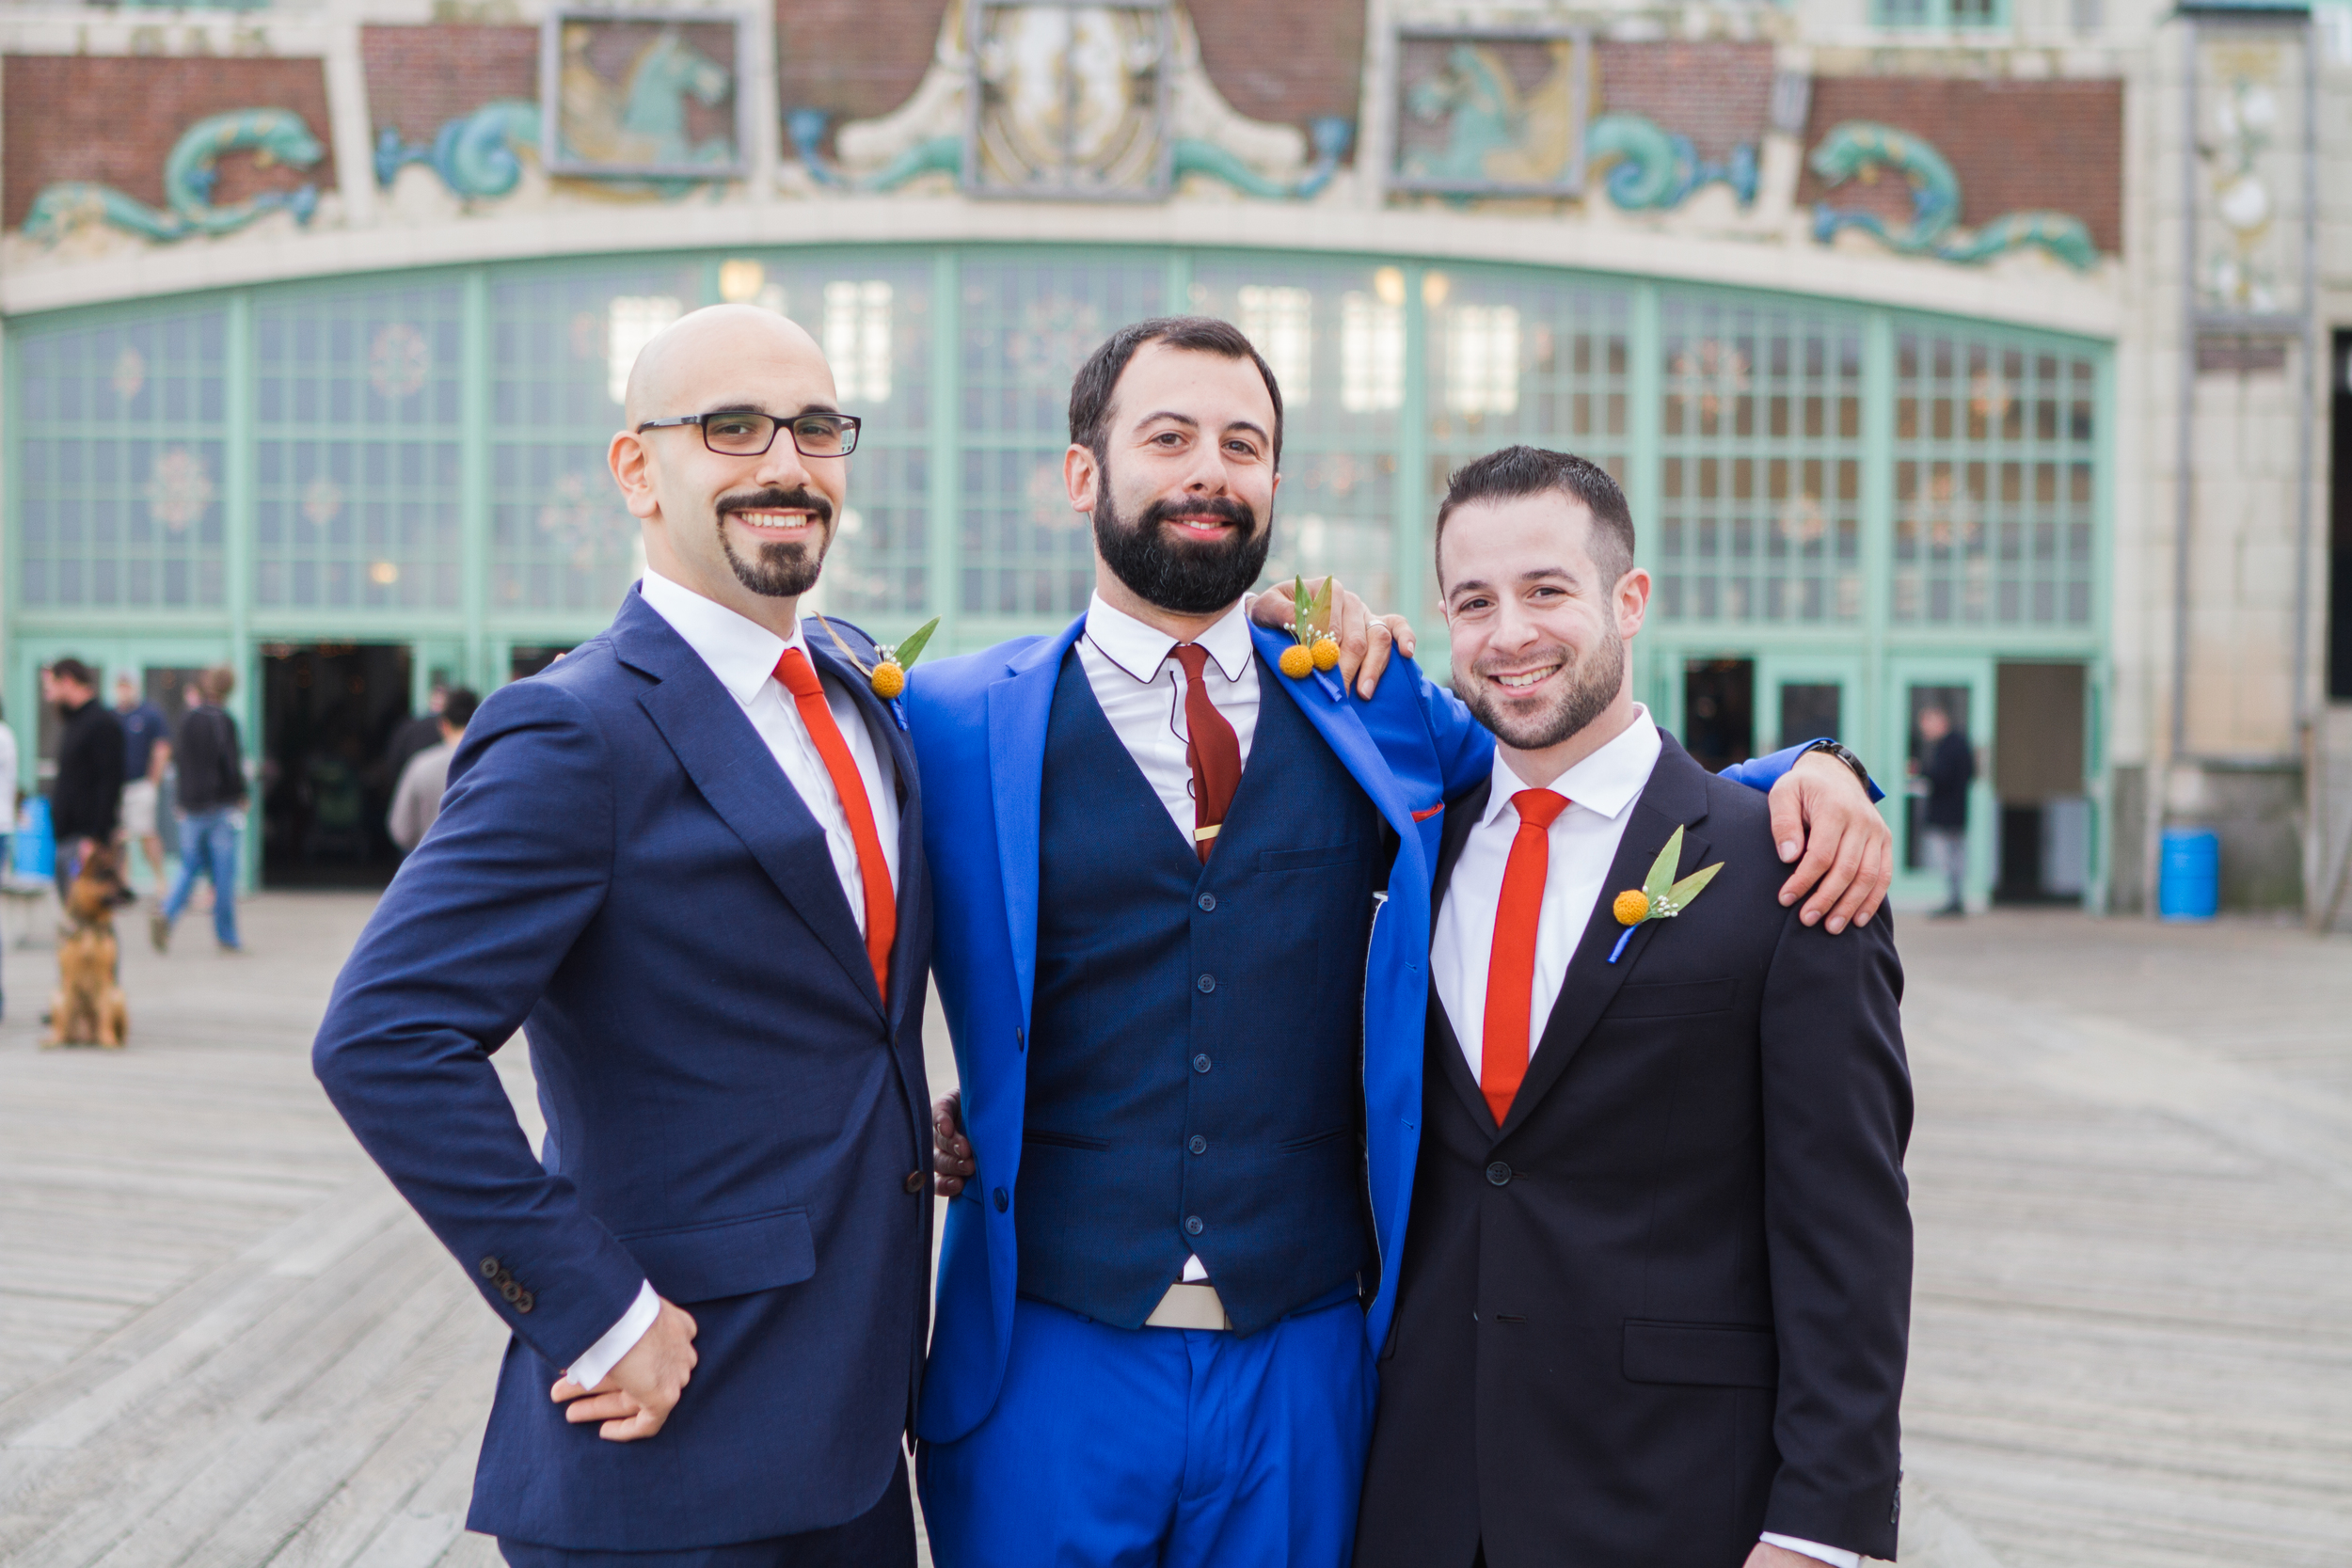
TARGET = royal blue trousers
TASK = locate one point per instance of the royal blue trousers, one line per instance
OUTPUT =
(1161, 1447)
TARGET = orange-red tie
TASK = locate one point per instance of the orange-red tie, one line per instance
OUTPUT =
(1213, 751)
(797, 675)
(1511, 969)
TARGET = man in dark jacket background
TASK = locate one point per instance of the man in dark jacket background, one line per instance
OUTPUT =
(86, 802)
(1948, 764)
(212, 800)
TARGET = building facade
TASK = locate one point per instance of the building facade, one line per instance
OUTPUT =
(1903, 323)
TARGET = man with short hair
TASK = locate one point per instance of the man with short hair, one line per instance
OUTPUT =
(146, 753)
(1948, 764)
(417, 800)
(1189, 1027)
(211, 803)
(85, 800)
(1654, 1290)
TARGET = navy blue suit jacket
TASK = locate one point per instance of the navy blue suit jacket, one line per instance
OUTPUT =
(621, 869)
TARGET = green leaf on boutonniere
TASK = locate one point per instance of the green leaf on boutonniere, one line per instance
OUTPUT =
(912, 649)
(1659, 885)
(1678, 897)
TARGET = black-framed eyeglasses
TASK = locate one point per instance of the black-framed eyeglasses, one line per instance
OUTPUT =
(751, 435)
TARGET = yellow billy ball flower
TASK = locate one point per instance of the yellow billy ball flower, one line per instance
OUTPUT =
(1631, 907)
(1326, 654)
(889, 679)
(1298, 663)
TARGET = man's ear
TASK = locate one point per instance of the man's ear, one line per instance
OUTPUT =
(632, 471)
(1632, 602)
(1082, 477)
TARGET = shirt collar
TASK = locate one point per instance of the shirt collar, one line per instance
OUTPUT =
(1607, 782)
(1140, 650)
(739, 651)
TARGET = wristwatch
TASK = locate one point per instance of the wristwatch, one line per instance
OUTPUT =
(1842, 755)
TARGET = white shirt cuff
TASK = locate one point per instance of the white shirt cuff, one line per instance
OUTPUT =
(1837, 1556)
(601, 1358)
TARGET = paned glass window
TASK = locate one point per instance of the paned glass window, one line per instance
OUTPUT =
(1759, 465)
(562, 341)
(1514, 358)
(1994, 451)
(123, 460)
(1029, 324)
(357, 413)
(1336, 510)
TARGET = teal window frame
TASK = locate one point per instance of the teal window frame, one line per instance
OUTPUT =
(1956, 16)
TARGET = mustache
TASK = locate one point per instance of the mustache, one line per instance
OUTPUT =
(1224, 508)
(799, 499)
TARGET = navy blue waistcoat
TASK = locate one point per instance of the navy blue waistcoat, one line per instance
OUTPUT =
(1195, 1072)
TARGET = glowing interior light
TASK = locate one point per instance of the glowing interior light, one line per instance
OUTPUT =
(1281, 322)
(857, 338)
(630, 323)
(1372, 353)
(1482, 359)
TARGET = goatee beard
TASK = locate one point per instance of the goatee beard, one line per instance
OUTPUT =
(781, 570)
(1589, 683)
(1186, 579)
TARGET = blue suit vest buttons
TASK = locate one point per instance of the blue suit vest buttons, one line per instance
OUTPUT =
(1200, 1063)
(1192, 1224)
(1207, 983)
(1499, 1173)
(1207, 902)
(1002, 1202)
(1198, 1144)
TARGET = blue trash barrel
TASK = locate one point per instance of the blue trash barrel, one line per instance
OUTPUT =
(2188, 874)
(35, 849)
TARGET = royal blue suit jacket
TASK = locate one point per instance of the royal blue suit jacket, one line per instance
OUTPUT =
(733, 1108)
(980, 730)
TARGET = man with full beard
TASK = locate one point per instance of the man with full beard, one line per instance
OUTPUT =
(1654, 1302)
(1183, 911)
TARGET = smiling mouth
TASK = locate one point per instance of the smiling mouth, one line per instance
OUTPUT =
(1199, 524)
(790, 523)
(1521, 680)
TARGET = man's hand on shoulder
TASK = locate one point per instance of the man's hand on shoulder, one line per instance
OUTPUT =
(1820, 808)
(1365, 638)
(637, 1396)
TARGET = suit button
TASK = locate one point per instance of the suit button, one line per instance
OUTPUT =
(503, 1280)
(525, 1302)
(489, 1268)
(1499, 1174)
(1199, 1145)
(1002, 1202)
(1207, 901)
(1192, 1225)
(1207, 983)
(1200, 1063)
(512, 1292)
(915, 1182)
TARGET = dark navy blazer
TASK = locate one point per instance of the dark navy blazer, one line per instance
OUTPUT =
(621, 869)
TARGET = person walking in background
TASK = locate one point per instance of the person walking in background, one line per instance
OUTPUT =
(420, 734)
(7, 805)
(86, 802)
(417, 799)
(1948, 764)
(212, 811)
(146, 752)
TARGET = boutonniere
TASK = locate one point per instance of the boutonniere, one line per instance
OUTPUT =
(1659, 896)
(1313, 648)
(888, 677)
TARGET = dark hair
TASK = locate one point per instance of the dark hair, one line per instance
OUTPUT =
(1098, 379)
(457, 708)
(219, 682)
(1516, 471)
(73, 670)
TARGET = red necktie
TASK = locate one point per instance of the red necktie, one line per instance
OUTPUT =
(1511, 969)
(1213, 751)
(798, 676)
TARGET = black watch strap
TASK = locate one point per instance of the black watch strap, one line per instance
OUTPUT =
(1842, 755)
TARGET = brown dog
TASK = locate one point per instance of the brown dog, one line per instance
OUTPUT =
(88, 1007)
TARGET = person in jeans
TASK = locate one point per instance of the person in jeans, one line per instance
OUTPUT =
(1948, 764)
(86, 802)
(212, 811)
(146, 752)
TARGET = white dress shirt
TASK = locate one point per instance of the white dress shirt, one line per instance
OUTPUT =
(743, 654)
(1583, 841)
(1132, 669)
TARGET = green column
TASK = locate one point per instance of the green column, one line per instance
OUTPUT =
(1415, 505)
(1882, 750)
(943, 577)
(237, 569)
(473, 469)
(1643, 469)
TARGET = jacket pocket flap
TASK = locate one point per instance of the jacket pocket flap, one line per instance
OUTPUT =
(1691, 996)
(1723, 1355)
(728, 1258)
(1305, 860)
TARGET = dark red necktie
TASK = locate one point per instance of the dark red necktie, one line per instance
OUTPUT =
(798, 676)
(1511, 967)
(1213, 751)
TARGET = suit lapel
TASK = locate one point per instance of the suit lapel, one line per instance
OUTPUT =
(1019, 707)
(1334, 717)
(733, 769)
(1675, 796)
(882, 728)
(1461, 814)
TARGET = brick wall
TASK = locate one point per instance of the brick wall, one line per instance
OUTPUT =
(859, 58)
(1717, 94)
(420, 78)
(2014, 146)
(1290, 63)
(113, 119)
